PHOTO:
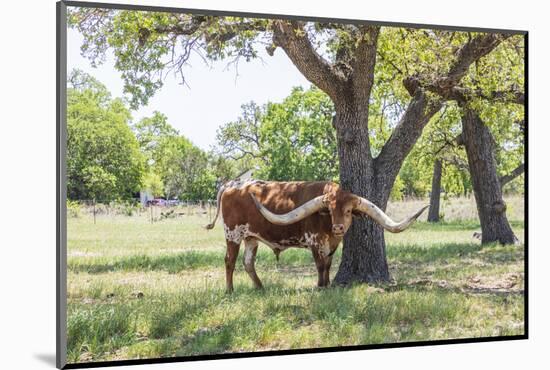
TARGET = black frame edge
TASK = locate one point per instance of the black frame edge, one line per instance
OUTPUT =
(166, 9)
(85, 365)
(526, 184)
(61, 192)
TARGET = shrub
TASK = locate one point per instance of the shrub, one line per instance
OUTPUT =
(74, 209)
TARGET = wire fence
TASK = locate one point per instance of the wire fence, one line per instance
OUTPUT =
(155, 211)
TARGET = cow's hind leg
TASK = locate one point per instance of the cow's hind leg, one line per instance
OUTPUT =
(250, 249)
(230, 259)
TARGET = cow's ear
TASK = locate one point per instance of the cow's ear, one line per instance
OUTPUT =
(357, 213)
(324, 212)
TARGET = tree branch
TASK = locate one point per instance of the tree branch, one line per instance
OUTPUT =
(472, 51)
(512, 175)
(422, 107)
(406, 133)
(458, 163)
(462, 94)
(292, 38)
(363, 68)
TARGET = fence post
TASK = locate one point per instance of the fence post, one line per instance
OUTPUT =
(151, 209)
(94, 210)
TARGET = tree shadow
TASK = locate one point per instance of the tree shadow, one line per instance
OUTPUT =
(422, 254)
(177, 262)
(172, 263)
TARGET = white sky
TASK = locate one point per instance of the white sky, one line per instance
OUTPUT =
(214, 95)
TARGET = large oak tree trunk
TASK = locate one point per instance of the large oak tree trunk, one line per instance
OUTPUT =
(364, 251)
(435, 196)
(480, 145)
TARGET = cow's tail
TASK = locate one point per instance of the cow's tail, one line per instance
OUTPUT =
(210, 226)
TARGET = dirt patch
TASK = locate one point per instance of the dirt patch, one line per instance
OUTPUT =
(507, 283)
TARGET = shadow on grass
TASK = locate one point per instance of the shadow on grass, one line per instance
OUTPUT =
(438, 252)
(456, 225)
(178, 262)
(429, 285)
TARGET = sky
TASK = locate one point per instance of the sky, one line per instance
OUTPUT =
(214, 95)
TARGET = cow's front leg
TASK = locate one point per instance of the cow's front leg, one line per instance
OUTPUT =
(326, 270)
(230, 259)
(250, 249)
(320, 264)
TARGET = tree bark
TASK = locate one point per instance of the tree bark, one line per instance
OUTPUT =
(480, 145)
(435, 196)
(364, 250)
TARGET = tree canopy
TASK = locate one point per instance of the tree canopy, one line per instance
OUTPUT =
(103, 157)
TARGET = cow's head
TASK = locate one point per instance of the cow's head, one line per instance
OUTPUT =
(341, 205)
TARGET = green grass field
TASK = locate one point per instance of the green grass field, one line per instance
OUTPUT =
(139, 290)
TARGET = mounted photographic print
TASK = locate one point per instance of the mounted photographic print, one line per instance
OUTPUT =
(235, 184)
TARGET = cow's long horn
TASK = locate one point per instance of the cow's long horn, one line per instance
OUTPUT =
(293, 216)
(380, 217)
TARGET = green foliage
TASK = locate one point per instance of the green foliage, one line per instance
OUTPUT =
(103, 157)
(298, 139)
(291, 140)
(153, 183)
(73, 209)
(176, 167)
(181, 166)
(150, 132)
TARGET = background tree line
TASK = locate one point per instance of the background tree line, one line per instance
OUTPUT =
(110, 157)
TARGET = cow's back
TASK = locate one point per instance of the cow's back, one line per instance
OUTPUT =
(240, 212)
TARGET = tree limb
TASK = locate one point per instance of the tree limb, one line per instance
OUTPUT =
(292, 38)
(462, 94)
(422, 107)
(458, 163)
(472, 51)
(406, 133)
(512, 175)
(363, 68)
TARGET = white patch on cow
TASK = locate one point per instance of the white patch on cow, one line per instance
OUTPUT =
(250, 245)
(325, 247)
(310, 239)
(237, 234)
(313, 240)
(248, 254)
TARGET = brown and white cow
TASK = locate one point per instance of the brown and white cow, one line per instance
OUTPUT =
(313, 215)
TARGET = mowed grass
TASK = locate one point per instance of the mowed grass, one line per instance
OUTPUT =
(141, 290)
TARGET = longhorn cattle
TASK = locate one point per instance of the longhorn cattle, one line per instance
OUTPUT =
(313, 215)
